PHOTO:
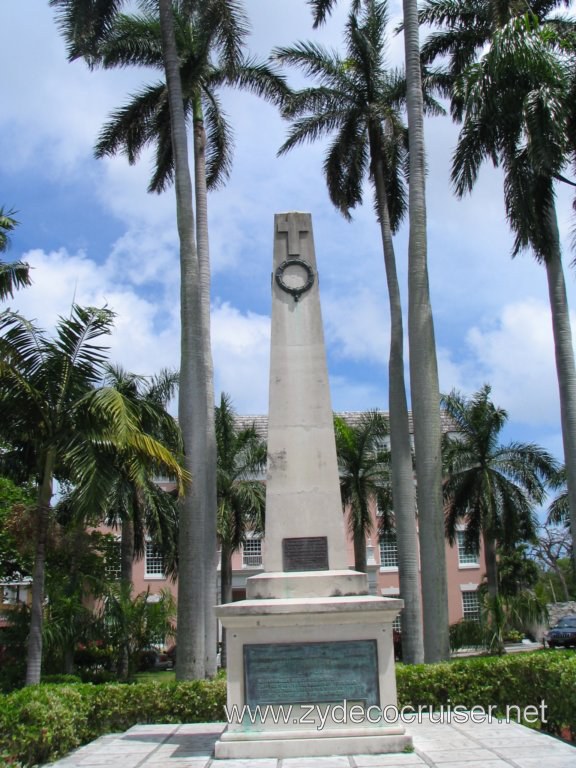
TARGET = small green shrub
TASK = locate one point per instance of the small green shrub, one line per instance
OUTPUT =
(43, 722)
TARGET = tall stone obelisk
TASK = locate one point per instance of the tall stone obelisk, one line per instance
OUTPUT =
(302, 466)
(305, 547)
(309, 640)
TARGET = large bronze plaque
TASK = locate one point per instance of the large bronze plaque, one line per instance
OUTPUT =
(311, 673)
(308, 553)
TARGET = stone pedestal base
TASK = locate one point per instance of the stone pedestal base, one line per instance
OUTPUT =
(310, 677)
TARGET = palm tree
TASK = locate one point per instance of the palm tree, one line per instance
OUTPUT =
(57, 424)
(424, 386)
(212, 34)
(241, 492)
(135, 502)
(492, 488)
(559, 509)
(513, 91)
(360, 101)
(131, 623)
(12, 275)
(85, 25)
(463, 29)
(364, 466)
(205, 66)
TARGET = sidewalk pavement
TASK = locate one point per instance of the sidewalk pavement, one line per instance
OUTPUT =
(471, 745)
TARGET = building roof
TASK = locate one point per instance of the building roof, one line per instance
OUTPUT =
(260, 421)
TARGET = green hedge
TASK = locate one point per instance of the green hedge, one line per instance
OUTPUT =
(523, 679)
(42, 723)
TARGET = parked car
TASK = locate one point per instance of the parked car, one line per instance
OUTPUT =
(171, 654)
(563, 634)
(151, 659)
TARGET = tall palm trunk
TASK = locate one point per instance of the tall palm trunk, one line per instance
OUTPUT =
(360, 550)
(565, 368)
(225, 592)
(191, 413)
(34, 655)
(207, 446)
(126, 551)
(126, 568)
(491, 560)
(424, 384)
(226, 574)
(403, 493)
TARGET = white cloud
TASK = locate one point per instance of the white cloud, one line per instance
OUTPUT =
(241, 350)
(358, 325)
(146, 333)
(515, 354)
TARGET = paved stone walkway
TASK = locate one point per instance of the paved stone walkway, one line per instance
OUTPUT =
(436, 746)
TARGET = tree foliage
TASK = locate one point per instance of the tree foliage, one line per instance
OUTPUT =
(16, 274)
(364, 465)
(58, 423)
(490, 488)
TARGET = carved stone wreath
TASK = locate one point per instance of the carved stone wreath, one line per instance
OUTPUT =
(292, 290)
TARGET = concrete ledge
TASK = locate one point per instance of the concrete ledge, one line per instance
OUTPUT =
(334, 610)
(318, 744)
(299, 584)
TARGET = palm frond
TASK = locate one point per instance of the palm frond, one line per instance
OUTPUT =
(133, 40)
(84, 25)
(219, 141)
(321, 9)
(346, 164)
(13, 276)
(134, 125)
(7, 225)
(230, 28)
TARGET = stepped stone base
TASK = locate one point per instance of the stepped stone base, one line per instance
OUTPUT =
(311, 667)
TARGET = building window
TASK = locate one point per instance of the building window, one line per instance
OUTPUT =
(388, 551)
(465, 556)
(12, 594)
(252, 553)
(112, 558)
(470, 605)
(154, 562)
(9, 595)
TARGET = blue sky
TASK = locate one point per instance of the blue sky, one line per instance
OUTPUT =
(93, 234)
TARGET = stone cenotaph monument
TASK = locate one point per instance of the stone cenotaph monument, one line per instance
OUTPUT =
(310, 652)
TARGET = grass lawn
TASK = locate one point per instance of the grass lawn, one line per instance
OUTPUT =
(162, 676)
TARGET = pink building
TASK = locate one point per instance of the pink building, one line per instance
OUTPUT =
(465, 571)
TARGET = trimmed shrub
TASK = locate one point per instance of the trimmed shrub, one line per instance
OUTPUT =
(518, 680)
(42, 722)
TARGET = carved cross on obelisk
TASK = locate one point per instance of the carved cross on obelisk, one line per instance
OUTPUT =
(293, 224)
